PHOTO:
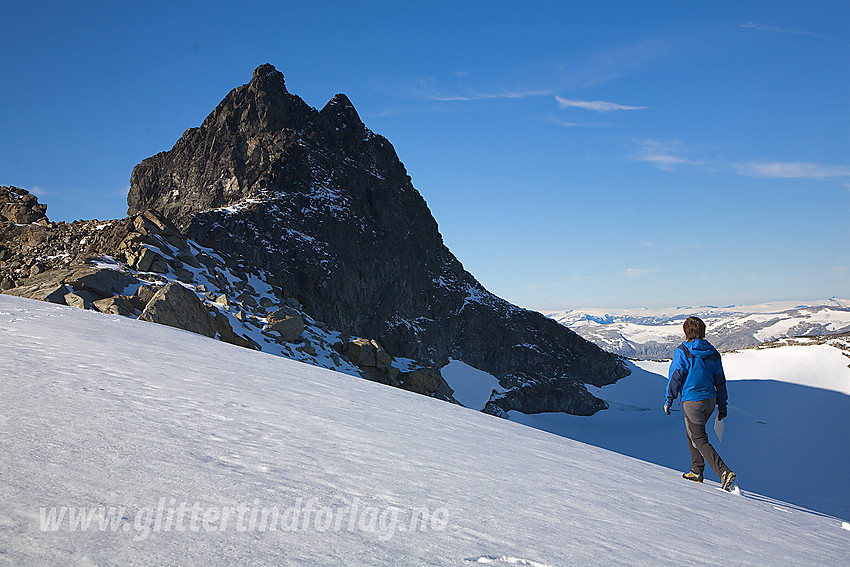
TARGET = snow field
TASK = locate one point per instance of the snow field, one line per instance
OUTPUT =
(100, 410)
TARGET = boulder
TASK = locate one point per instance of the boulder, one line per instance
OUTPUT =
(144, 259)
(74, 300)
(545, 396)
(307, 349)
(101, 282)
(288, 323)
(143, 295)
(176, 306)
(116, 305)
(151, 222)
(367, 353)
(374, 362)
(422, 380)
(187, 258)
(361, 352)
(48, 291)
(89, 282)
(382, 358)
(376, 375)
(246, 298)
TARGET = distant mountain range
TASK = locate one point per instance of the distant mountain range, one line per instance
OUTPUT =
(654, 333)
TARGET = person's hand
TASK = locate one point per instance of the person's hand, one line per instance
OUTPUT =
(721, 415)
(667, 410)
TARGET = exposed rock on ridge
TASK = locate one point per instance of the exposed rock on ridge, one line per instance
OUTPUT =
(325, 206)
(141, 267)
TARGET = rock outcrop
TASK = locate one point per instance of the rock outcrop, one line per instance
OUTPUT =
(174, 305)
(142, 267)
(325, 206)
(20, 207)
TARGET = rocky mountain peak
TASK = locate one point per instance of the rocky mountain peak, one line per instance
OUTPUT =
(341, 114)
(324, 205)
(325, 210)
(266, 79)
(267, 71)
(342, 127)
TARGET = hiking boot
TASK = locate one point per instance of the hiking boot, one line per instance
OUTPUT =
(728, 481)
(691, 475)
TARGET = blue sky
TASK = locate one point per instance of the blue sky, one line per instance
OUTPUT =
(574, 154)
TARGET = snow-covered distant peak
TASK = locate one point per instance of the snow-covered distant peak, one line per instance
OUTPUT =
(685, 311)
(654, 333)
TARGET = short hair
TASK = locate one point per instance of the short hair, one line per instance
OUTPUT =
(694, 328)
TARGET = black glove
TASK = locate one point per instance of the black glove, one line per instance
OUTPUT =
(667, 409)
(721, 415)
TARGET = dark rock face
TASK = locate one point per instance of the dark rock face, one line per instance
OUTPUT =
(325, 205)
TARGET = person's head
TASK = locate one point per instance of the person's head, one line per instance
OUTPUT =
(694, 328)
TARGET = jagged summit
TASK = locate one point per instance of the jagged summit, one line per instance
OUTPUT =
(267, 79)
(341, 119)
(254, 140)
(265, 70)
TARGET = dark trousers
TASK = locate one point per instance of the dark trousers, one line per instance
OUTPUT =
(696, 416)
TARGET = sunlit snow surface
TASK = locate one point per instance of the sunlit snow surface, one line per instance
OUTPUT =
(100, 410)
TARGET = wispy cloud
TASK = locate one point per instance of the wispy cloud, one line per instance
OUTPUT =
(426, 89)
(669, 155)
(791, 170)
(458, 88)
(664, 155)
(638, 272)
(596, 105)
(775, 29)
(442, 97)
(465, 85)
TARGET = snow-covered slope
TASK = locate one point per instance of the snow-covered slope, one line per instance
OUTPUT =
(788, 400)
(654, 333)
(194, 442)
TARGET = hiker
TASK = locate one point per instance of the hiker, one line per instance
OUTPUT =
(697, 374)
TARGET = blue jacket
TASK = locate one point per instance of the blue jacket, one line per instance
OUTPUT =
(697, 373)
